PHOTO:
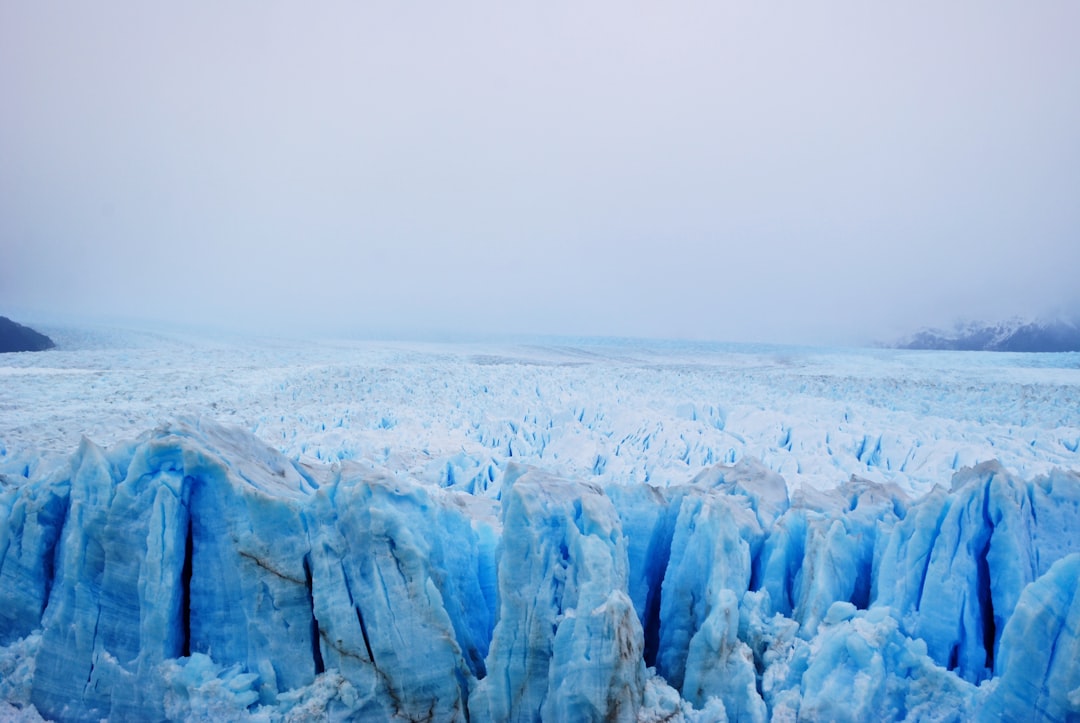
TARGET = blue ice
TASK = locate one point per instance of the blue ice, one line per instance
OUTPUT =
(195, 573)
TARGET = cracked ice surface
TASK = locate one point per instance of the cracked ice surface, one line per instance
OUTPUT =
(622, 411)
(573, 530)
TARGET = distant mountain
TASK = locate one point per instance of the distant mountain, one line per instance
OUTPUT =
(1012, 335)
(16, 337)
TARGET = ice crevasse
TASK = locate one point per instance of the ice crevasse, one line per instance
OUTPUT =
(195, 573)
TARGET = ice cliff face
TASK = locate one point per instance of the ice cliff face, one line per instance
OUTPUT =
(196, 573)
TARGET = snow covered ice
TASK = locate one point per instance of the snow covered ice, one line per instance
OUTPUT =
(200, 529)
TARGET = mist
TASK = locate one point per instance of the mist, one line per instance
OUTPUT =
(776, 172)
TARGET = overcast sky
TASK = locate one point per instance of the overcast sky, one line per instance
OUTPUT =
(749, 170)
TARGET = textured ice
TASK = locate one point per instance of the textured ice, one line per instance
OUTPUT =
(525, 539)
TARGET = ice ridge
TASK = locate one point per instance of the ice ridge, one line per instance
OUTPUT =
(195, 573)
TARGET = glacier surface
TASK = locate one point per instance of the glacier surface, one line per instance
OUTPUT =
(538, 533)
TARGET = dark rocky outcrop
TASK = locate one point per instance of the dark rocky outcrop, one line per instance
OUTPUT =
(16, 337)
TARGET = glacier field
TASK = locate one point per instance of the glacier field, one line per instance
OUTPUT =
(204, 528)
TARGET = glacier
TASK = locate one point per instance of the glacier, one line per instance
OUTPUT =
(539, 550)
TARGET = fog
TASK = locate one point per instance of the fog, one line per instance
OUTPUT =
(837, 171)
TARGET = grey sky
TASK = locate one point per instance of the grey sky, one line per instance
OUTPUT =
(777, 170)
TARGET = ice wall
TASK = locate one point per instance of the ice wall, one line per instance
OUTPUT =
(196, 573)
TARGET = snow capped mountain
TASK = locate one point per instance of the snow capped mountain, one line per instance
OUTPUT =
(1023, 335)
(589, 531)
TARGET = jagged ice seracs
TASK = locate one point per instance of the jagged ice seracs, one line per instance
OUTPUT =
(611, 531)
